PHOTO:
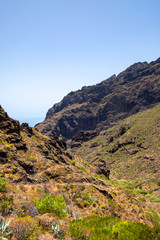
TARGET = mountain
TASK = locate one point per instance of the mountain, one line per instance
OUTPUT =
(47, 192)
(130, 150)
(92, 109)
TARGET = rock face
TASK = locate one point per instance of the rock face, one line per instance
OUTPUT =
(100, 106)
(7, 124)
(11, 128)
(23, 148)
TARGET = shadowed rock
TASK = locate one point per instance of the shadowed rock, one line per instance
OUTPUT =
(97, 107)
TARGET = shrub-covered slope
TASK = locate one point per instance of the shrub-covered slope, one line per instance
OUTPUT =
(130, 150)
(45, 191)
(97, 107)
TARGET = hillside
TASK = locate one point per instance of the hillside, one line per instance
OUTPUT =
(49, 193)
(95, 108)
(130, 150)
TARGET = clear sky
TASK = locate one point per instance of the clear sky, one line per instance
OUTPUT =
(51, 47)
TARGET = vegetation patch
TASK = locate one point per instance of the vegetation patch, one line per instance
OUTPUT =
(5, 204)
(82, 169)
(103, 228)
(24, 228)
(3, 187)
(153, 198)
(52, 204)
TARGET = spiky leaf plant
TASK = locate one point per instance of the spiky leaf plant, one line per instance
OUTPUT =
(4, 228)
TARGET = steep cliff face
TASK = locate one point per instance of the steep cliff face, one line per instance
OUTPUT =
(100, 106)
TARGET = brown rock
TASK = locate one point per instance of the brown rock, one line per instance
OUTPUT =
(98, 107)
(27, 129)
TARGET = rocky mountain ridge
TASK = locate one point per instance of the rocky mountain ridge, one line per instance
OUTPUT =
(95, 108)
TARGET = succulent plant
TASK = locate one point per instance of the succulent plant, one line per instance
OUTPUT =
(4, 228)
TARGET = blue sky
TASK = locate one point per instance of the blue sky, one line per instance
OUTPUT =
(51, 47)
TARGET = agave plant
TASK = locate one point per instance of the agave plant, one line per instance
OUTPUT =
(3, 229)
(56, 229)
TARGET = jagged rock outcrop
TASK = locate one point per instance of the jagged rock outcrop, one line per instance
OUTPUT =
(100, 106)
(7, 124)
(26, 128)
(11, 128)
(22, 149)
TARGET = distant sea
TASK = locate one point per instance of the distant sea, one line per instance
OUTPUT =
(31, 121)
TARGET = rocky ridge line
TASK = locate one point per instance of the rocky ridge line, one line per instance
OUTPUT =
(95, 108)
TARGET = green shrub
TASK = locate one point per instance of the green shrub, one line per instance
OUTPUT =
(114, 192)
(51, 204)
(141, 192)
(135, 231)
(109, 228)
(122, 183)
(153, 198)
(99, 176)
(39, 190)
(155, 219)
(83, 228)
(5, 205)
(82, 169)
(3, 184)
(73, 162)
(71, 186)
(77, 231)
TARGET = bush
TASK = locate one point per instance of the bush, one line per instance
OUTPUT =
(51, 204)
(109, 228)
(71, 186)
(87, 227)
(82, 169)
(73, 162)
(24, 228)
(155, 219)
(153, 198)
(141, 192)
(5, 205)
(135, 231)
(3, 184)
